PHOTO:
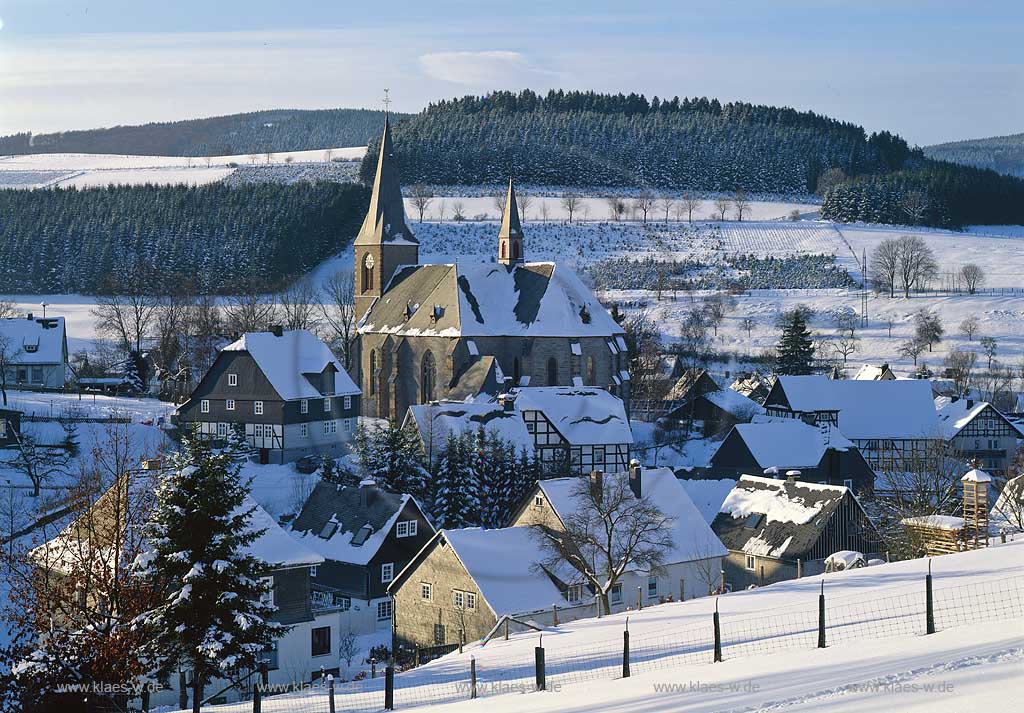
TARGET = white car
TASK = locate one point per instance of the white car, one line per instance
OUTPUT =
(844, 560)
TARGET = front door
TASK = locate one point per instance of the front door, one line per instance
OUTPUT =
(264, 456)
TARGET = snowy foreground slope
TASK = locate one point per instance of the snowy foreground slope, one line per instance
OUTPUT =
(877, 652)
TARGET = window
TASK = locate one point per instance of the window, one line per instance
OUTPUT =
(428, 377)
(387, 572)
(268, 596)
(426, 591)
(458, 599)
(312, 570)
(257, 408)
(371, 378)
(222, 430)
(204, 406)
(327, 405)
(330, 427)
(303, 430)
(848, 482)
(347, 403)
(342, 602)
(652, 586)
(574, 595)
(229, 404)
(439, 638)
(348, 424)
(321, 641)
(232, 379)
(384, 610)
(470, 600)
(367, 272)
(616, 594)
(304, 406)
(538, 501)
(750, 563)
(591, 372)
(406, 528)
(257, 430)
(552, 372)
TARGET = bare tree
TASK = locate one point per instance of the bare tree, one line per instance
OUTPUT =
(268, 156)
(741, 202)
(441, 209)
(457, 215)
(289, 160)
(644, 342)
(991, 348)
(544, 210)
(716, 307)
(885, 265)
(828, 179)
(523, 202)
(610, 532)
(340, 315)
(498, 198)
(1010, 504)
(973, 276)
(748, 324)
(328, 155)
(7, 309)
(205, 326)
(693, 337)
(348, 647)
(722, 205)
(571, 202)
(297, 305)
(844, 345)
(912, 349)
(915, 205)
(970, 327)
(9, 352)
(616, 207)
(644, 203)
(916, 263)
(667, 203)
(38, 462)
(254, 157)
(250, 310)
(421, 197)
(959, 364)
(126, 314)
(689, 203)
(928, 327)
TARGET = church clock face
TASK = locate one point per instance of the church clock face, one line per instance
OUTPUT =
(368, 261)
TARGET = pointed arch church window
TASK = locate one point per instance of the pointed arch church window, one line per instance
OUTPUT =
(428, 378)
(552, 372)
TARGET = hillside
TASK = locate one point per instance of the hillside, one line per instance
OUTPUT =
(215, 237)
(1004, 154)
(256, 132)
(589, 139)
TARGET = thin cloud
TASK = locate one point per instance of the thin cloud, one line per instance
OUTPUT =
(489, 68)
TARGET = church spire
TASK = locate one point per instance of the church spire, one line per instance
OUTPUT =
(385, 218)
(510, 236)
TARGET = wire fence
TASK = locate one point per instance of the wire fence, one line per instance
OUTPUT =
(851, 618)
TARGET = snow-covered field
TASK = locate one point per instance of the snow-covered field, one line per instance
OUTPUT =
(877, 654)
(83, 170)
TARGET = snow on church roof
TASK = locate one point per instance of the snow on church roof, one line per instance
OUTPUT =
(285, 361)
(583, 415)
(487, 299)
(867, 409)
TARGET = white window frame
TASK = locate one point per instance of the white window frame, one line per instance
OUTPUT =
(348, 403)
(232, 379)
(384, 606)
(312, 570)
(650, 581)
(406, 528)
(327, 404)
(222, 430)
(426, 591)
(538, 501)
(615, 595)
(268, 598)
(387, 572)
(750, 563)
(204, 406)
(848, 482)
(229, 404)
(574, 595)
(304, 406)
(471, 600)
(257, 408)
(458, 598)
(303, 430)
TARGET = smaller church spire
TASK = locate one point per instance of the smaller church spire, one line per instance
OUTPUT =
(510, 236)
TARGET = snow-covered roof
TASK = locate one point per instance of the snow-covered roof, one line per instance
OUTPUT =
(435, 422)
(735, 403)
(1008, 511)
(275, 546)
(867, 409)
(487, 299)
(286, 360)
(692, 538)
(938, 522)
(583, 415)
(873, 372)
(976, 476)
(34, 341)
(955, 413)
(503, 565)
(707, 494)
(790, 443)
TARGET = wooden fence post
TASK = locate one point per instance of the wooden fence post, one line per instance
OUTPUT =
(330, 692)
(554, 614)
(538, 658)
(256, 695)
(472, 677)
(929, 610)
(639, 598)
(625, 650)
(389, 688)
(718, 635)
(821, 616)
(799, 568)
(682, 590)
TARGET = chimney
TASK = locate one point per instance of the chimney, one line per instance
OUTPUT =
(970, 404)
(277, 330)
(507, 401)
(29, 316)
(596, 485)
(792, 475)
(366, 487)
(636, 473)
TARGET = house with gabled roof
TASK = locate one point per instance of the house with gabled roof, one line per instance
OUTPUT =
(36, 351)
(893, 423)
(434, 332)
(697, 397)
(433, 423)
(976, 431)
(778, 529)
(283, 391)
(365, 535)
(874, 372)
(691, 568)
(818, 454)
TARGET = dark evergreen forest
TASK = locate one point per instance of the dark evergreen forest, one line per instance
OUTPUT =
(256, 132)
(215, 238)
(590, 139)
(1004, 154)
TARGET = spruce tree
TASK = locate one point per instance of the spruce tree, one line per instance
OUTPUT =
(795, 350)
(214, 619)
(393, 458)
(456, 485)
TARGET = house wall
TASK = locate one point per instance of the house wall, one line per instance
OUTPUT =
(987, 438)
(415, 617)
(738, 577)
(49, 376)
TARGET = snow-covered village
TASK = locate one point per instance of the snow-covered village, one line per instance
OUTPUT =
(660, 358)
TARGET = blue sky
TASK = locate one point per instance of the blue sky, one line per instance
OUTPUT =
(931, 71)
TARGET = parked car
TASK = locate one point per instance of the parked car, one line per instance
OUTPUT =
(308, 464)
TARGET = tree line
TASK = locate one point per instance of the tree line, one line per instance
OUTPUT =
(590, 139)
(66, 240)
(255, 132)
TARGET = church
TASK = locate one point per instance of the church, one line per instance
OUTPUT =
(435, 332)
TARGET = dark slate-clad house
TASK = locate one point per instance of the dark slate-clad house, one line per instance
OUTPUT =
(821, 453)
(284, 390)
(768, 525)
(698, 397)
(366, 535)
(10, 426)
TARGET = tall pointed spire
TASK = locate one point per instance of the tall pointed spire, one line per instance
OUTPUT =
(510, 235)
(385, 218)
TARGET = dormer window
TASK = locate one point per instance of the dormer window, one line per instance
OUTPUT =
(232, 379)
(327, 405)
(31, 348)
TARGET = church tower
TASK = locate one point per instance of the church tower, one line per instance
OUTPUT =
(385, 241)
(510, 237)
